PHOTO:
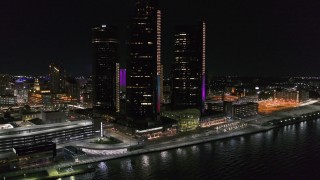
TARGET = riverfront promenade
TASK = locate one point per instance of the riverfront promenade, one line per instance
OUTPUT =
(103, 153)
(175, 143)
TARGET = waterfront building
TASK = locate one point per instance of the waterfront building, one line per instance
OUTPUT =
(34, 155)
(188, 70)
(144, 66)
(58, 133)
(105, 46)
(212, 121)
(187, 119)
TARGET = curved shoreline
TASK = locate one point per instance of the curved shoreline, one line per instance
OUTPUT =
(147, 149)
(176, 143)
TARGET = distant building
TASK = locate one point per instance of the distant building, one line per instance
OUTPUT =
(105, 46)
(214, 106)
(57, 78)
(86, 93)
(243, 110)
(297, 96)
(50, 117)
(36, 86)
(73, 89)
(188, 70)
(144, 65)
(8, 100)
(22, 95)
(5, 85)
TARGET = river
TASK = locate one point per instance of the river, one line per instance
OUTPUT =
(290, 152)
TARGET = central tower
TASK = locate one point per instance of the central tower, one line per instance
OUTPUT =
(144, 66)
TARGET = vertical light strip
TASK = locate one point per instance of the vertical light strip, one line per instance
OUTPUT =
(101, 130)
(158, 58)
(203, 47)
(117, 87)
(203, 92)
(158, 42)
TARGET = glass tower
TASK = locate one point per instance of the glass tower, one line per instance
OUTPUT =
(105, 46)
(144, 66)
(188, 70)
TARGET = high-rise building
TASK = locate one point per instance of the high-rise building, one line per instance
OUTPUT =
(105, 46)
(188, 70)
(57, 78)
(73, 89)
(36, 86)
(4, 84)
(144, 66)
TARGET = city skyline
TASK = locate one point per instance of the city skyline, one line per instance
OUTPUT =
(87, 86)
(244, 38)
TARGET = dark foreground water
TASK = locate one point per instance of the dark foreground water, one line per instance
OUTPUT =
(291, 152)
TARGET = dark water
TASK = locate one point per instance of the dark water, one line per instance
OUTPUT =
(291, 152)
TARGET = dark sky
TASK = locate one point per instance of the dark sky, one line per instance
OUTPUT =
(245, 37)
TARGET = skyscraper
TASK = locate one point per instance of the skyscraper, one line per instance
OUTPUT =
(57, 78)
(144, 68)
(188, 70)
(105, 46)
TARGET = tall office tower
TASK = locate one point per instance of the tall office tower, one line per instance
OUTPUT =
(188, 70)
(105, 46)
(57, 78)
(144, 68)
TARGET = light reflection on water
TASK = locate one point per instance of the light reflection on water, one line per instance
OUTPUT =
(102, 166)
(195, 149)
(126, 166)
(145, 161)
(289, 152)
(165, 156)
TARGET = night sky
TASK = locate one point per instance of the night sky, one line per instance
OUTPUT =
(245, 37)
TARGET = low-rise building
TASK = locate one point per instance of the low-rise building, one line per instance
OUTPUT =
(187, 119)
(58, 133)
(30, 155)
(8, 100)
(244, 110)
(212, 121)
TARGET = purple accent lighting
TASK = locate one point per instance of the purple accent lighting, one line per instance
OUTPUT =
(123, 77)
(158, 94)
(203, 91)
(203, 88)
